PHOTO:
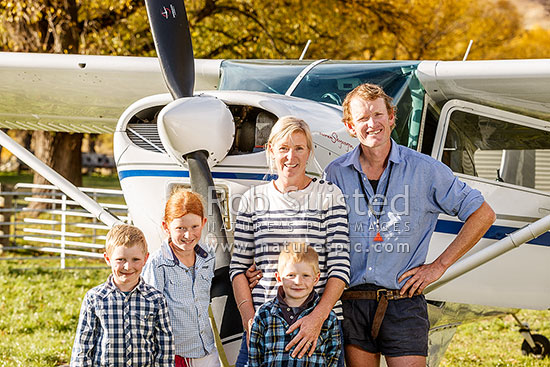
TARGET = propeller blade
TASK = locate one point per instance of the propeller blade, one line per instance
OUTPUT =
(170, 28)
(202, 183)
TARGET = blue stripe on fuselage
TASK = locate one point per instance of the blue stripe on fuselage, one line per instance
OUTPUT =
(496, 232)
(178, 174)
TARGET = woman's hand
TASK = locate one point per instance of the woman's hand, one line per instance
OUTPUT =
(253, 276)
(306, 339)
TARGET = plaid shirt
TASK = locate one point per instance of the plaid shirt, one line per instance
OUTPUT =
(268, 339)
(116, 329)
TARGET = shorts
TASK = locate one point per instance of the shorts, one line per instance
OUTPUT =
(404, 329)
(210, 360)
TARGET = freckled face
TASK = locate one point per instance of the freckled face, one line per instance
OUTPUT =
(371, 122)
(185, 231)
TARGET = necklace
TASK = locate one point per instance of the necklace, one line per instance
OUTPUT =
(378, 237)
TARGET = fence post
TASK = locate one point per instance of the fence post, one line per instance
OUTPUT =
(5, 217)
(63, 228)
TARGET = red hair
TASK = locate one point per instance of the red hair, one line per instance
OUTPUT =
(182, 202)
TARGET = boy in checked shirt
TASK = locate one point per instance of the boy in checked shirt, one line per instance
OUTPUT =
(297, 272)
(124, 321)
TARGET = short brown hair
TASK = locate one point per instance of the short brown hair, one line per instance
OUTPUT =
(297, 252)
(182, 202)
(369, 92)
(125, 235)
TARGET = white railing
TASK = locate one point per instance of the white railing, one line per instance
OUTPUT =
(64, 227)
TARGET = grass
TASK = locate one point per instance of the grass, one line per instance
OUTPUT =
(39, 308)
(496, 342)
(92, 180)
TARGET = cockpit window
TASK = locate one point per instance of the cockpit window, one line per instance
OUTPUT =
(330, 82)
(498, 150)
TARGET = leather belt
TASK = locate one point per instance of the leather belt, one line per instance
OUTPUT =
(382, 296)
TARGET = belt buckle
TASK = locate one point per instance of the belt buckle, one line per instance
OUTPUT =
(380, 293)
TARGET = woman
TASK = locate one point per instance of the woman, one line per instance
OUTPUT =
(294, 207)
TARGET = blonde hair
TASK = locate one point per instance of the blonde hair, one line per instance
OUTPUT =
(125, 235)
(182, 202)
(369, 92)
(286, 126)
(297, 252)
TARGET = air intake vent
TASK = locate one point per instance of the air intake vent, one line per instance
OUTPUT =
(145, 136)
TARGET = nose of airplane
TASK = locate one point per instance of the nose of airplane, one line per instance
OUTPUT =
(197, 123)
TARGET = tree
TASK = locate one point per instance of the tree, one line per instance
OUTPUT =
(339, 29)
(116, 27)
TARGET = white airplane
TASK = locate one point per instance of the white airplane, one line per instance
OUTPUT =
(206, 125)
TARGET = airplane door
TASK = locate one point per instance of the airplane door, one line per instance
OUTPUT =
(507, 157)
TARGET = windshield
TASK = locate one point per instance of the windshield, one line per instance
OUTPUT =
(331, 81)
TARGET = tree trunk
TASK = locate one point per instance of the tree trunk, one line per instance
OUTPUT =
(62, 152)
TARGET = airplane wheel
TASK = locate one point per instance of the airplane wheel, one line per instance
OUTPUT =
(542, 347)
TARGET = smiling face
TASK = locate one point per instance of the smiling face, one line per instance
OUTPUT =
(298, 280)
(185, 232)
(126, 264)
(290, 155)
(371, 122)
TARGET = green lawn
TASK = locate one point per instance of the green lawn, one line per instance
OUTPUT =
(496, 342)
(39, 308)
(92, 180)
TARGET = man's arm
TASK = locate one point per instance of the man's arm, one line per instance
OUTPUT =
(474, 228)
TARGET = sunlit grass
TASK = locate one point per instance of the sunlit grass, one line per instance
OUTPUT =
(40, 304)
(39, 308)
(496, 342)
(91, 180)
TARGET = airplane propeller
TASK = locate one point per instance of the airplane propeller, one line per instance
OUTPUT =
(197, 132)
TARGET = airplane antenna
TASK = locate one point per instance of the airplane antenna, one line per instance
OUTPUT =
(468, 50)
(305, 50)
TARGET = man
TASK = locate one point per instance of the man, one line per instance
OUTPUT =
(394, 196)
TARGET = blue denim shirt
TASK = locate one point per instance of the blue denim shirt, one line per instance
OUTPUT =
(188, 298)
(420, 188)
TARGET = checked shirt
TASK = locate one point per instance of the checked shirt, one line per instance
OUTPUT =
(118, 329)
(268, 339)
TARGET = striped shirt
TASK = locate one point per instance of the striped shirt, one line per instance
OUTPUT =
(187, 292)
(117, 329)
(269, 219)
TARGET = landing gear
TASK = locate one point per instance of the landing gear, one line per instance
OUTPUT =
(541, 349)
(533, 344)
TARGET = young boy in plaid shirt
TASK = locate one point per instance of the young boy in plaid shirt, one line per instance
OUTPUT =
(297, 272)
(124, 321)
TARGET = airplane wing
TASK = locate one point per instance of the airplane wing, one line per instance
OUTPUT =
(81, 93)
(521, 86)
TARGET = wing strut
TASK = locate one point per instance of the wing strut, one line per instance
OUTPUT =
(510, 242)
(56, 179)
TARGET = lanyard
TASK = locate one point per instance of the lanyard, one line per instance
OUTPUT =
(378, 237)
